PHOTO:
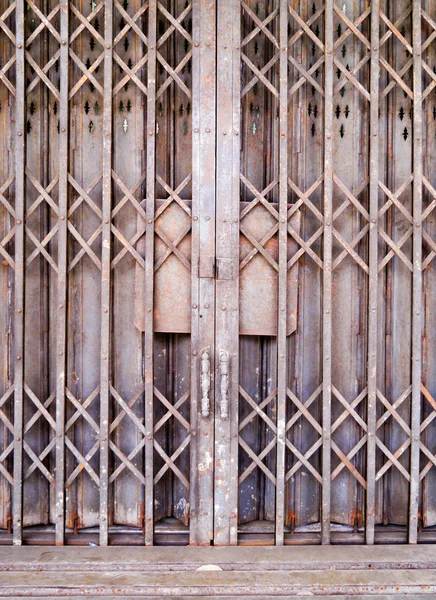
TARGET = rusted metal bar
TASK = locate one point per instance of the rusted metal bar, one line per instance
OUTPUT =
(327, 274)
(203, 244)
(373, 272)
(417, 274)
(61, 320)
(149, 271)
(20, 137)
(283, 272)
(105, 348)
(227, 249)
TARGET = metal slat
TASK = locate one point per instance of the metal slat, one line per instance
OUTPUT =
(227, 246)
(19, 273)
(62, 278)
(327, 275)
(149, 271)
(106, 275)
(373, 274)
(417, 274)
(203, 245)
(282, 274)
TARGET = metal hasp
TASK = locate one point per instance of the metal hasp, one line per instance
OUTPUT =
(205, 384)
(224, 384)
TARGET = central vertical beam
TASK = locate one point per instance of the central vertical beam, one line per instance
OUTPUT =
(327, 275)
(227, 248)
(20, 201)
(203, 254)
(61, 312)
(282, 274)
(417, 273)
(149, 271)
(373, 271)
(105, 276)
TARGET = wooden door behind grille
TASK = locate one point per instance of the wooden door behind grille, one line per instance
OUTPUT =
(217, 245)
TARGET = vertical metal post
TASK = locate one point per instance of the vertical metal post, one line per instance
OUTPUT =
(417, 273)
(327, 274)
(282, 274)
(20, 200)
(149, 270)
(62, 279)
(373, 272)
(227, 248)
(203, 247)
(105, 275)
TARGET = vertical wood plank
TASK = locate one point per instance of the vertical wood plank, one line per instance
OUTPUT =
(62, 278)
(227, 247)
(203, 245)
(282, 274)
(149, 271)
(417, 274)
(327, 274)
(373, 274)
(19, 274)
(106, 276)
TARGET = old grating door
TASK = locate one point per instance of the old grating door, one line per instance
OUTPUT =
(324, 292)
(108, 242)
(217, 284)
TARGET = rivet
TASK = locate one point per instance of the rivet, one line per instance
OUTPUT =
(418, 224)
(106, 221)
(151, 133)
(283, 48)
(194, 306)
(207, 218)
(18, 438)
(195, 218)
(194, 433)
(375, 134)
(60, 306)
(63, 129)
(223, 308)
(60, 352)
(283, 220)
(328, 223)
(327, 312)
(235, 220)
(194, 352)
(62, 218)
(207, 130)
(207, 43)
(283, 134)
(20, 45)
(418, 312)
(105, 310)
(373, 221)
(375, 48)
(224, 132)
(148, 357)
(104, 357)
(18, 310)
(19, 134)
(64, 43)
(108, 47)
(148, 309)
(225, 47)
(283, 308)
(18, 357)
(19, 221)
(206, 305)
(196, 130)
(196, 44)
(151, 47)
(237, 47)
(236, 132)
(150, 221)
(329, 137)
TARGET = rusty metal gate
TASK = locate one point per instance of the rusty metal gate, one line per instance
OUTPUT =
(217, 242)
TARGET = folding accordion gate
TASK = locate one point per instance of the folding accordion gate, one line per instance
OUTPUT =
(217, 242)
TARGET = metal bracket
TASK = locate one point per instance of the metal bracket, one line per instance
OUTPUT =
(224, 268)
(206, 267)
